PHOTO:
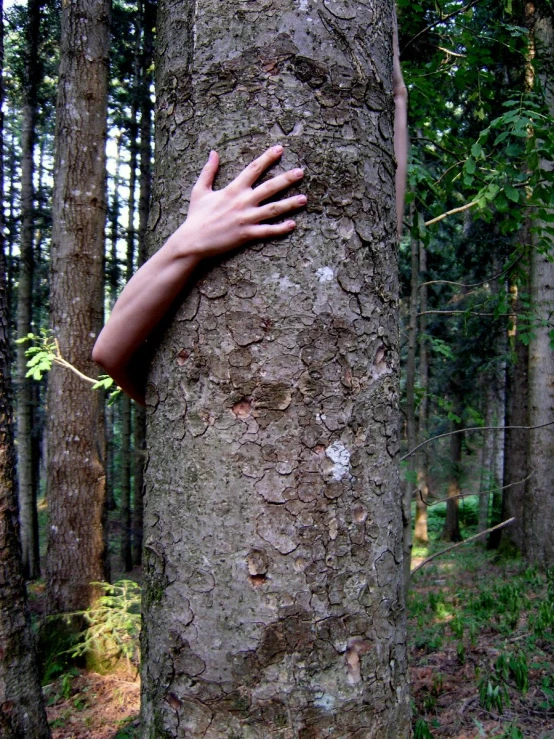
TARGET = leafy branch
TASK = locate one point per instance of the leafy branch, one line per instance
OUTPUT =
(45, 352)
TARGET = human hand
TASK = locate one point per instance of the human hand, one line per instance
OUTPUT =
(221, 220)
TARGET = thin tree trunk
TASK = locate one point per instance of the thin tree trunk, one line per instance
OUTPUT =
(420, 529)
(148, 9)
(451, 530)
(76, 480)
(410, 488)
(22, 713)
(515, 441)
(487, 476)
(126, 413)
(273, 526)
(26, 488)
(112, 274)
(539, 507)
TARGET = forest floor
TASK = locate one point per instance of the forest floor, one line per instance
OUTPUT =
(481, 653)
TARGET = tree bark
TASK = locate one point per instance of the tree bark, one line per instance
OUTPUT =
(76, 480)
(22, 713)
(273, 600)
(421, 534)
(539, 507)
(25, 464)
(148, 14)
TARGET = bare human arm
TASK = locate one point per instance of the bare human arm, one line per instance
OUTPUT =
(218, 221)
(400, 129)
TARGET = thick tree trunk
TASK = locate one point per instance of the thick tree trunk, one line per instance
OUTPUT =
(26, 479)
(273, 600)
(539, 507)
(22, 713)
(487, 475)
(76, 482)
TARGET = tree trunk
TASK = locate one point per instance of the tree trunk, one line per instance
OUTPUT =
(25, 465)
(148, 9)
(451, 530)
(76, 481)
(487, 475)
(422, 462)
(126, 412)
(515, 440)
(273, 600)
(411, 482)
(22, 713)
(539, 507)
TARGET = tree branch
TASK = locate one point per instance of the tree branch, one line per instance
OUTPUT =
(473, 428)
(468, 495)
(441, 20)
(451, 212)
(459, 544)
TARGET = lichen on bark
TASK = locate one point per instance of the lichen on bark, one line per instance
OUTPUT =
(272, 509)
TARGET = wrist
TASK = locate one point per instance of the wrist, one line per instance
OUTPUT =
(182, 245)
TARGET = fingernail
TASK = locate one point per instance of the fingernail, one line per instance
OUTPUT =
(291, 224)
(302, 199)
(278, 149)
(298, 173)
(212, 154)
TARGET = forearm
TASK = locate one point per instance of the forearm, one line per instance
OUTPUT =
(400, 130)
(143, 303)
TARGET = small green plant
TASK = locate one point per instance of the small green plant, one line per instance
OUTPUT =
(493, 694)
(421, 730)
(113, 624)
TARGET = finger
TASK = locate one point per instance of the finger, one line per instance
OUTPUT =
(275, 185)
(256, 168)
(272, 210)
(270, 230)
(209, 171)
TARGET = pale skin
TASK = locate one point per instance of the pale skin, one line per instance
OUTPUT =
(218, 221)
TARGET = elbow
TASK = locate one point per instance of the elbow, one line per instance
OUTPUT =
(99, 355)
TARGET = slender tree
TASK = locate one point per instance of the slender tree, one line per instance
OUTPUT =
(25, 467)
(273, 532)
(22, 713)
(76, 480)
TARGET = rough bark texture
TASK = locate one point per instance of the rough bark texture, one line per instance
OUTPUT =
(26, 487)
(76, 481)
(539, 508)
(273, 601)
(22, 713)
(451, 529)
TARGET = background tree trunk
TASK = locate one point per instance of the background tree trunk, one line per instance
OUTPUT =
(22, 713)
(421, 534)
(273, 533)
(25, 464)
(76, 480)
(539, 506)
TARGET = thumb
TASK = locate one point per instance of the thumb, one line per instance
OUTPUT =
(207, 176)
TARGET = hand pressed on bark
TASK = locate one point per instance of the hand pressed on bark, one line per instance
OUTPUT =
(217, 222)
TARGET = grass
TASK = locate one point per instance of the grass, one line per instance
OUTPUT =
(481, 641)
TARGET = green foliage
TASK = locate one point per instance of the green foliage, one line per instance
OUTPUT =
(421, 730)
(493, 695)
(113, 625)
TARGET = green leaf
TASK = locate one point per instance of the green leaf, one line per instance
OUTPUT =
(477, 150)
(470, 166)
(512, 193)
